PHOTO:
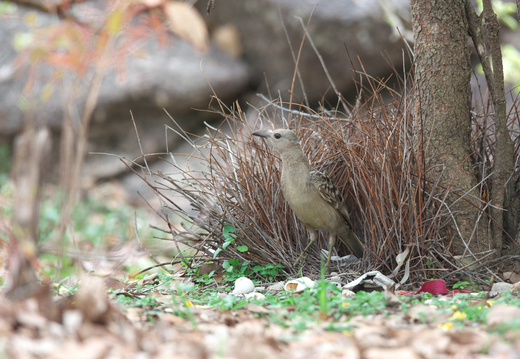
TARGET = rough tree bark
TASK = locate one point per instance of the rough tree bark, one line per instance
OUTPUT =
(442, 76)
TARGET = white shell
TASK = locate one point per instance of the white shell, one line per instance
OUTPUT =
(243, 285)
(345, 293)
(255, 295)
(299, 285)
(276, 287)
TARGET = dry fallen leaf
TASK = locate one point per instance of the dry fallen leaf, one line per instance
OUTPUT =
(149, 279)
(430, 343)
(227, 38)
(187, 23)
(255, 308)
(92, 299)
(91, 348)
(370, 336)
(391, 353)
(502, 313)
(422, 313)
(172, 319)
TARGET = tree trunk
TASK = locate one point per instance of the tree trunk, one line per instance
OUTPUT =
(31, 155)
(503, 190)
(442, 76)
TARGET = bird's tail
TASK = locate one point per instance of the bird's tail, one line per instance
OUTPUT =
(353, 243)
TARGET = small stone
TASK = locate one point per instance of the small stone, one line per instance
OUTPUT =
(499, 288)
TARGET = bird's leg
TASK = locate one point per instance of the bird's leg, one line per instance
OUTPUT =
(302, 256)
(332, 241)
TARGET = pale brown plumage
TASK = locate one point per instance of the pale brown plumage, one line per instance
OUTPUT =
(312, 196)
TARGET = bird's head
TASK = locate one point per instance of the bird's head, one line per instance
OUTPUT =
(282, 140)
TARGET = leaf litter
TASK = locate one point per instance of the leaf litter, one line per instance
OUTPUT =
(93, 324)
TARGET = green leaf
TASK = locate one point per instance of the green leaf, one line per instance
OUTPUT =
(229, 232)
(460, 284)
(242, 249)
(234, 262)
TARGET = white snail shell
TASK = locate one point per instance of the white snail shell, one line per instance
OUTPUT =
(255, 295)
(299, 285)
(243, 285)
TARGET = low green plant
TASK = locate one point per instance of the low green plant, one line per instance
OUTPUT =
(431, 261)
(460, 285)
(64, 289)
(365, 303)
(269, 271)
(203, 279)
(235, 269)
(228, 232)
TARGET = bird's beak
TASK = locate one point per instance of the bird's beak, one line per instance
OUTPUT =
(261, 133)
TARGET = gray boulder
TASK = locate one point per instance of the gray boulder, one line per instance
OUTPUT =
(175, 77)
(366, 28)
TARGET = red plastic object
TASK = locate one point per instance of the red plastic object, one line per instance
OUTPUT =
(434, 287)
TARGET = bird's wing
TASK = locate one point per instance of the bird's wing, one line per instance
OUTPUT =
(329, 192)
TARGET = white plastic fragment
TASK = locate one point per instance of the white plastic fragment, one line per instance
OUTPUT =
(342, 261)
(299, 285)
(374, 280)
(400, 258)
(243, 285)
(337, 284)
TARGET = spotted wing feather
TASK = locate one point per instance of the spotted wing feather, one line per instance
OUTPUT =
(330, 193)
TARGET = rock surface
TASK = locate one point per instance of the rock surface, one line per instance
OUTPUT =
(366, 28)
(175, 77)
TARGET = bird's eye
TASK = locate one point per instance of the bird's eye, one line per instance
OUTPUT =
(277, 135)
